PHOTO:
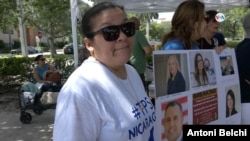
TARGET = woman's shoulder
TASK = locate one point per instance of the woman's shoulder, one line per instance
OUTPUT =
(179, 75)
(173, 44)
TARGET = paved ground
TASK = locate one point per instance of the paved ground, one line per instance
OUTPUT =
(11, 128)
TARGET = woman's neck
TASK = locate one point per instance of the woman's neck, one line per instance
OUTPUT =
(173, 75)
(119, 71)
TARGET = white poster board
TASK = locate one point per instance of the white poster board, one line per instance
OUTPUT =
(202, 102)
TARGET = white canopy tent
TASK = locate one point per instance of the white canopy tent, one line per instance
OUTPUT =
(148, 6)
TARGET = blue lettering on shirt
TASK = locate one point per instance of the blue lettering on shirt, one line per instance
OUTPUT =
(141, 127)
(136, 112)
(142, 106)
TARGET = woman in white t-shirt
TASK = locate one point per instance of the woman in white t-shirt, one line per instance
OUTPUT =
(104, 98)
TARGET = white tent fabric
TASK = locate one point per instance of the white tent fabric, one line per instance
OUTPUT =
(148, 6)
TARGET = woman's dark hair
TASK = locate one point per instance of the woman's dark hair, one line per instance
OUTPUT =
(231, 94)
(87, 23)
(38, 57)
(211, 15)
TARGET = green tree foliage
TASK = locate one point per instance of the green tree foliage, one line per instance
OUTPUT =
(157, 30)
(52, 17)
(145, 19)
(232, 26)
(8, 14)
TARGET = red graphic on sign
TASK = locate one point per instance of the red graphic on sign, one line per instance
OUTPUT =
(205, 107)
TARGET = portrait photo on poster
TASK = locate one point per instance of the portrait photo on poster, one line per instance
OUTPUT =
(202, 69)
(174, 115)
(227, 67)
(171, 74)
(232, 97)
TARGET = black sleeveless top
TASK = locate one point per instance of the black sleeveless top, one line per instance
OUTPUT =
(203, 44)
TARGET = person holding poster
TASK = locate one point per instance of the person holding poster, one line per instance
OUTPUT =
(188, 24)
(175, 79)
(200, 75)
(208, 41)
(230, 106)
(173, 121)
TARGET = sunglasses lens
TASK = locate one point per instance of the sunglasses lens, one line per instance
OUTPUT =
(128, 29)
(111, 33)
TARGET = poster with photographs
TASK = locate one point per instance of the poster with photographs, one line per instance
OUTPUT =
(194, 87)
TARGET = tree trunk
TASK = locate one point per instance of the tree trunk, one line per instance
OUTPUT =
(52, 47)
(147, 28)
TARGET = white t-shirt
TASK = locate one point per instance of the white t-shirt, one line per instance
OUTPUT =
(95, 105)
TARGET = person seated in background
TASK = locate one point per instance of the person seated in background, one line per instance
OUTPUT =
(41, 71)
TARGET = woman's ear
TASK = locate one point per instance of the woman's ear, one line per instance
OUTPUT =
(89, 45)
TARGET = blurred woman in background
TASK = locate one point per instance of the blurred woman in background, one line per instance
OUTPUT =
(188, 24)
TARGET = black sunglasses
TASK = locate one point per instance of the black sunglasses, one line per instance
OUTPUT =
(112, 33)
(42, 59)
